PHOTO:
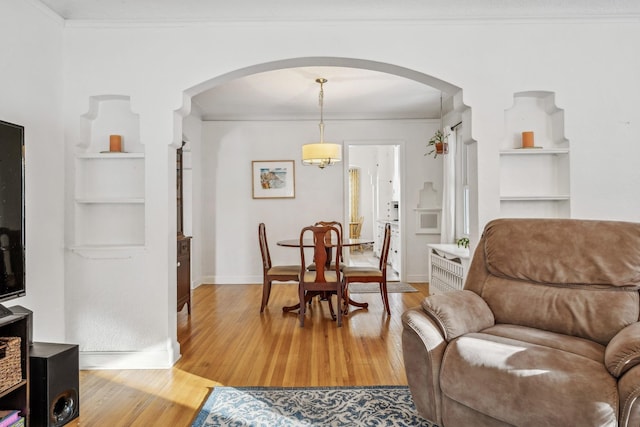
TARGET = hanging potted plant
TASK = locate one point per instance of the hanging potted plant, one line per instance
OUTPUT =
(438, 144)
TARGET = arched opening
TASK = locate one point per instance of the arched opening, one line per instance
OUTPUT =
(455, 112)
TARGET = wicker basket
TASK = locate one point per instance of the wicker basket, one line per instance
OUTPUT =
(10, 363)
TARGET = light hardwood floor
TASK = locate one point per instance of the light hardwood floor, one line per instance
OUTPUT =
(227, 341)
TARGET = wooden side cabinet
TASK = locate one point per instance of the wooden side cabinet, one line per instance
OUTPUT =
(184, 273)
(17, 395)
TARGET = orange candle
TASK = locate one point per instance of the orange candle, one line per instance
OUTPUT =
(527, 139)
(115, 143)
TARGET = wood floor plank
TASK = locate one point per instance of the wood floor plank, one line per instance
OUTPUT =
(227, 343)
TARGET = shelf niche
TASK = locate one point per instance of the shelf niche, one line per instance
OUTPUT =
(535, 182)
(109, 194)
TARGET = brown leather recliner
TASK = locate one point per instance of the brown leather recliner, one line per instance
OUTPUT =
(545, 333)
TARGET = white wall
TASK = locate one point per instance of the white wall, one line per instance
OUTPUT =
(31, 95)
(193, 217)
(592, 68)
(231, 216)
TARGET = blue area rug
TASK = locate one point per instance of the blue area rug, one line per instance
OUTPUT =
(316, 406)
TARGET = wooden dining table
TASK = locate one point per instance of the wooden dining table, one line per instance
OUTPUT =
(308, 243)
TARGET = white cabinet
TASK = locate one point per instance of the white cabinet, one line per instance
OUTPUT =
(395, 254)
(377, 240)
(388, 182)
(109, 191)
(535, 182)
(448, 267)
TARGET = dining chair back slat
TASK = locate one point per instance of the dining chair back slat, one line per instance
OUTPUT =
(337, 225)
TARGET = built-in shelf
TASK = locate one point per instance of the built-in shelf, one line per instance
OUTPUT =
(534, 182)
(110, 155)
(533, 151)
(107, 251)
(535, 198)
(109, 195)
(99, 200)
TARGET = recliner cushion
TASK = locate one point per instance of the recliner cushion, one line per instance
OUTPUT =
(566, 310)
(564, 251)
(528, 384)
(579, 346)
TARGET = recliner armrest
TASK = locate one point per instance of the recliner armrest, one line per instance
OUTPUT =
(458, 313)
(623, 351)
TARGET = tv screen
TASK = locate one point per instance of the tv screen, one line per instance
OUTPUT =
(12, 260)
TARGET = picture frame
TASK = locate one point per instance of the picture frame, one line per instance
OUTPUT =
(273, 179)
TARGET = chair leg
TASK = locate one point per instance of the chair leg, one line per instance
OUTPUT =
(266, 293)
(385, 296)
(345, 298)
(333, 314)
(301, 311)
(339, 304)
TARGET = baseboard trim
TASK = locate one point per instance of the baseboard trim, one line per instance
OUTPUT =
(417, 278)
(93, 360)
(228, 280)
(257, 280)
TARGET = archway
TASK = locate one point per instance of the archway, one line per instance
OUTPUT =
(456, 110)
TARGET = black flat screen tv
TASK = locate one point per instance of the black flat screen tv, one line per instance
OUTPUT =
(12, 219)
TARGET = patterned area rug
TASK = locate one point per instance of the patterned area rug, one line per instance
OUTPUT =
(374, 288)
(317, 406)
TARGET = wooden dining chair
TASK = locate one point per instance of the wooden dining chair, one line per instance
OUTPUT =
(270, 272)
(331, 261)
(369, 275)
(323, 280)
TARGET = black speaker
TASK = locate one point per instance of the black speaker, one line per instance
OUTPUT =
(54, 384)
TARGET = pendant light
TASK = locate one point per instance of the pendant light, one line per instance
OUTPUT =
(321, 153)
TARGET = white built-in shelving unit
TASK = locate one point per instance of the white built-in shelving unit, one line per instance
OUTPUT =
(109, 195)
(534, 182)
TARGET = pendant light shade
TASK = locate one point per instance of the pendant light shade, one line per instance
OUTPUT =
(321, 153)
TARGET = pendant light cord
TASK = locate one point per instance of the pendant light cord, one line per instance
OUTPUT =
(321, 103)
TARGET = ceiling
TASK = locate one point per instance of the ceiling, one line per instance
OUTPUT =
(350, 93)
(217, 10)
(293, 93)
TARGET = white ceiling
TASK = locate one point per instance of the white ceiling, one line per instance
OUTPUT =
(208, 10)
(293, 93)
(353, 93)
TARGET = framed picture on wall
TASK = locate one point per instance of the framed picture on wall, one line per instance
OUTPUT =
(273, 179)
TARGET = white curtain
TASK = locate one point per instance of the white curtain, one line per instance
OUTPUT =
(448, 222)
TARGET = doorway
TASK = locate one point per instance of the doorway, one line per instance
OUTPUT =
(373, 198)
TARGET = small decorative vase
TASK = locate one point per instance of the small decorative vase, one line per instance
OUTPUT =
(115, 143)
(527, 139)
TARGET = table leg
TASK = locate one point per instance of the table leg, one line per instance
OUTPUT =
(324, 295)
(348, 301)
